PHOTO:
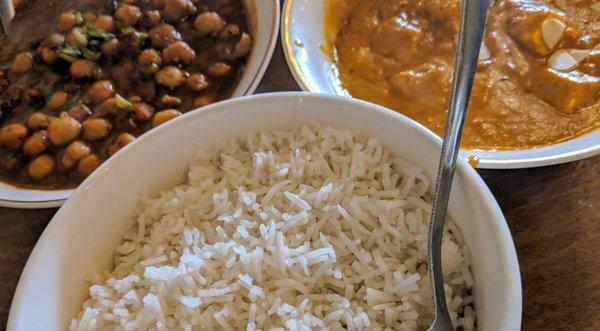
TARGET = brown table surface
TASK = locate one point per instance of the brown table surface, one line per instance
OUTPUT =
(553, 213)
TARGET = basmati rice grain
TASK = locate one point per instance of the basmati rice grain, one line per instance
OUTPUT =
(312, 228)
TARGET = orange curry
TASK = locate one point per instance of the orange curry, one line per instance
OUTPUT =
(538, 81)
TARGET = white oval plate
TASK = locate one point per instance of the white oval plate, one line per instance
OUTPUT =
(302, 33)
(264, 16)
(83, 235)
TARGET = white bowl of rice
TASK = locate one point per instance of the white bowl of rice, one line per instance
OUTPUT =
(285, 211)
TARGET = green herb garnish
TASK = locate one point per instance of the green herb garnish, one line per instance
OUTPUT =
(68, 53)
(144, 38)
(90, 55)
(78, 18)
(100, 35)
(122, 102)
(80, 36)
(128, 30)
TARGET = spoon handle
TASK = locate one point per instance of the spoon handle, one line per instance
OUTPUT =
(472, 25)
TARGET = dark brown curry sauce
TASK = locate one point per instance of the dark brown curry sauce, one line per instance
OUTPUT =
(24, 94)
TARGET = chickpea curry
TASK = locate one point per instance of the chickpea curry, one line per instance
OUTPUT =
(79, 80)
(538, 79)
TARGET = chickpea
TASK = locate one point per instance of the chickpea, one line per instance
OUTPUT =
(57, 100)
(147, 89)
(41, 167)
(4, 82)
(219, 69)
(88, 164)
(224, 50)
(131, 44)
(164, 116)
(105, 22)
(96, 128)
(157, 4)
(178, 51)
(89, 17)
(177, 10)
(22, 63)
(229, 32)
(209, 23)
(143, 111)
(36, 144)
(169, 100)
(54, 40)
(110, 106)
(170, 77)
(66, 21)
(204, 100)
(128, 15)
(37, 121)
(150, 61)
(48, 55)
(110, 47)
(197, 82)
(101, 90)
(76, 151)
(127, 65)
(13, 135)
(82, 68)
(34, 93)
(243, 46)
(121, 141)
(14, 162)
(162, 35)
(150, 19)
(63, 130)
(135, 99)
(80, 112)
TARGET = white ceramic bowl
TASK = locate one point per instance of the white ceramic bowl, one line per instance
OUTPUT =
(303, 35)
(264, 19)
(83, 235)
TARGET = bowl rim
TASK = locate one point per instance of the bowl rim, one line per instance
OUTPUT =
(514, 300)
(558, 157)
(63, 195)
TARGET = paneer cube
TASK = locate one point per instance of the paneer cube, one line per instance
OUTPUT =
(566, 92)
(525, 24)
(429, 85)
(397, 38)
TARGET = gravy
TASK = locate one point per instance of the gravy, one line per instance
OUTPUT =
(400, 54)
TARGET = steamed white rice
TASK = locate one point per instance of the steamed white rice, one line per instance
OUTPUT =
(308, 229)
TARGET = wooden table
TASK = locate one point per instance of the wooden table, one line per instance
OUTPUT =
(553, 212)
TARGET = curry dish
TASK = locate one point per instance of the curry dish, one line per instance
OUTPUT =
(79, 80)
(538, 80)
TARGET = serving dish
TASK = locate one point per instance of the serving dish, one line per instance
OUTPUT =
(84, 233)
(303, 42)
(264, 19)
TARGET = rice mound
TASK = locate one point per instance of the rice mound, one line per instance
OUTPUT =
(308, 229)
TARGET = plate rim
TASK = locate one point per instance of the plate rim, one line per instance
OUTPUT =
(484, 163)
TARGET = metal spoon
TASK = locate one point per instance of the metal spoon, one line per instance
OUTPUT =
(472, 24)
(7, 12)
